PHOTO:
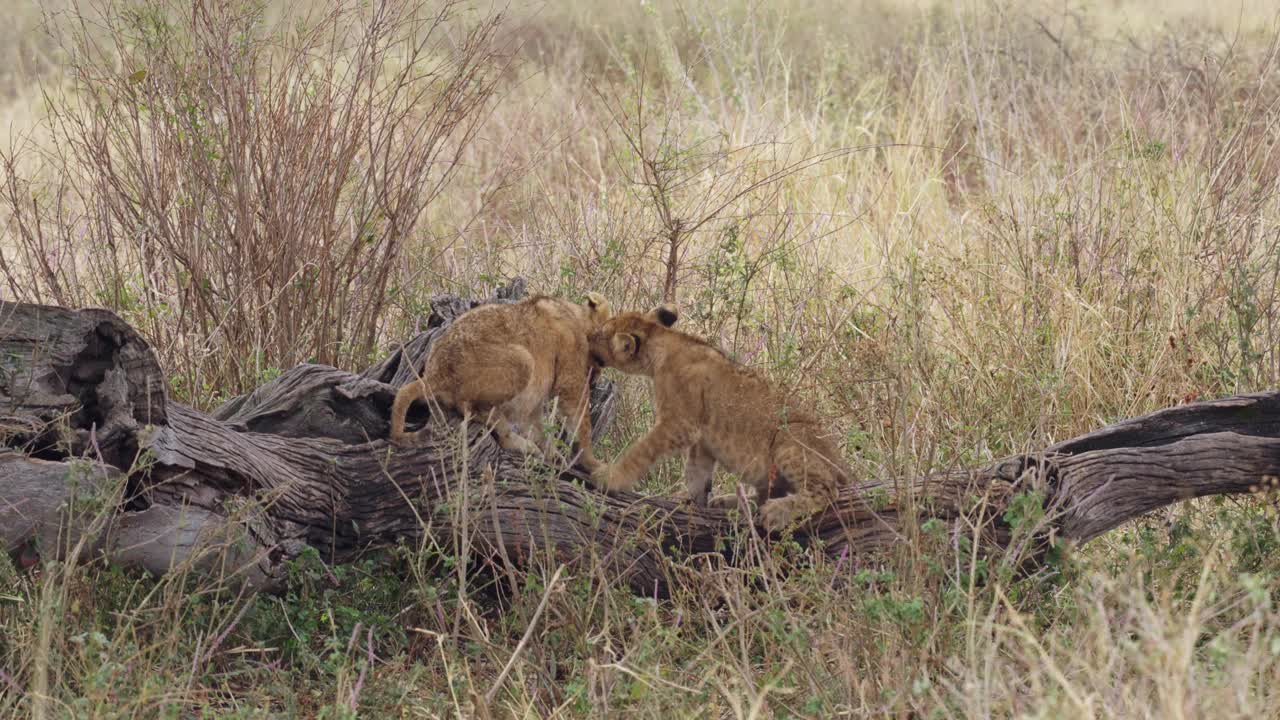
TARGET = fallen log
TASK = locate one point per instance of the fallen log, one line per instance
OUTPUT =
(303, 462)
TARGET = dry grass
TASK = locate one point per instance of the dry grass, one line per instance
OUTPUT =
(965, 229)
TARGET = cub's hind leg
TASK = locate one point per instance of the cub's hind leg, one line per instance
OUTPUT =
(508, 437)
(812, 481)
(781, 512)
(532, 427)
(493, 379)
(749, 477)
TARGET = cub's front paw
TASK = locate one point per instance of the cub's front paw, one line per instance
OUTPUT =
(587, 462)
(600, 475)
(731, 501)
(520, 444)
(684, 496)
(612, 479)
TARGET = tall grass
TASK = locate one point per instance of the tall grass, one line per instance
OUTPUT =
(963, 229)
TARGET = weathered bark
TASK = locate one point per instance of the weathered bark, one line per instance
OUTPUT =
(86, 367)
(303, 462)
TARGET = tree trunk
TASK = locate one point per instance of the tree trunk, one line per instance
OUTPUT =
(303, 462)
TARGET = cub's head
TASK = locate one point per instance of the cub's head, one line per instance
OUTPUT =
(597, 309)
(620, 342)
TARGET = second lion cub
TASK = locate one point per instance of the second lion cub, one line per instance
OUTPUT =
(718, 411)
(504, 361)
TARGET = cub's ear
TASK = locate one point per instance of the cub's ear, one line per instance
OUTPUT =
(664, 315)
(625, 345)
(599, 306)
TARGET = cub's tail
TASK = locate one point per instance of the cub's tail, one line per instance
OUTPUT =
(405, 397)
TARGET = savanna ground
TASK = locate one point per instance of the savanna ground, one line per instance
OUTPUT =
(964, 229)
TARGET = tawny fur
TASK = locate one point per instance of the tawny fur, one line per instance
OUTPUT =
(503, 362)
(718, 411)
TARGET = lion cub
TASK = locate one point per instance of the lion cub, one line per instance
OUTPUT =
(505, 361)
(719, 412)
